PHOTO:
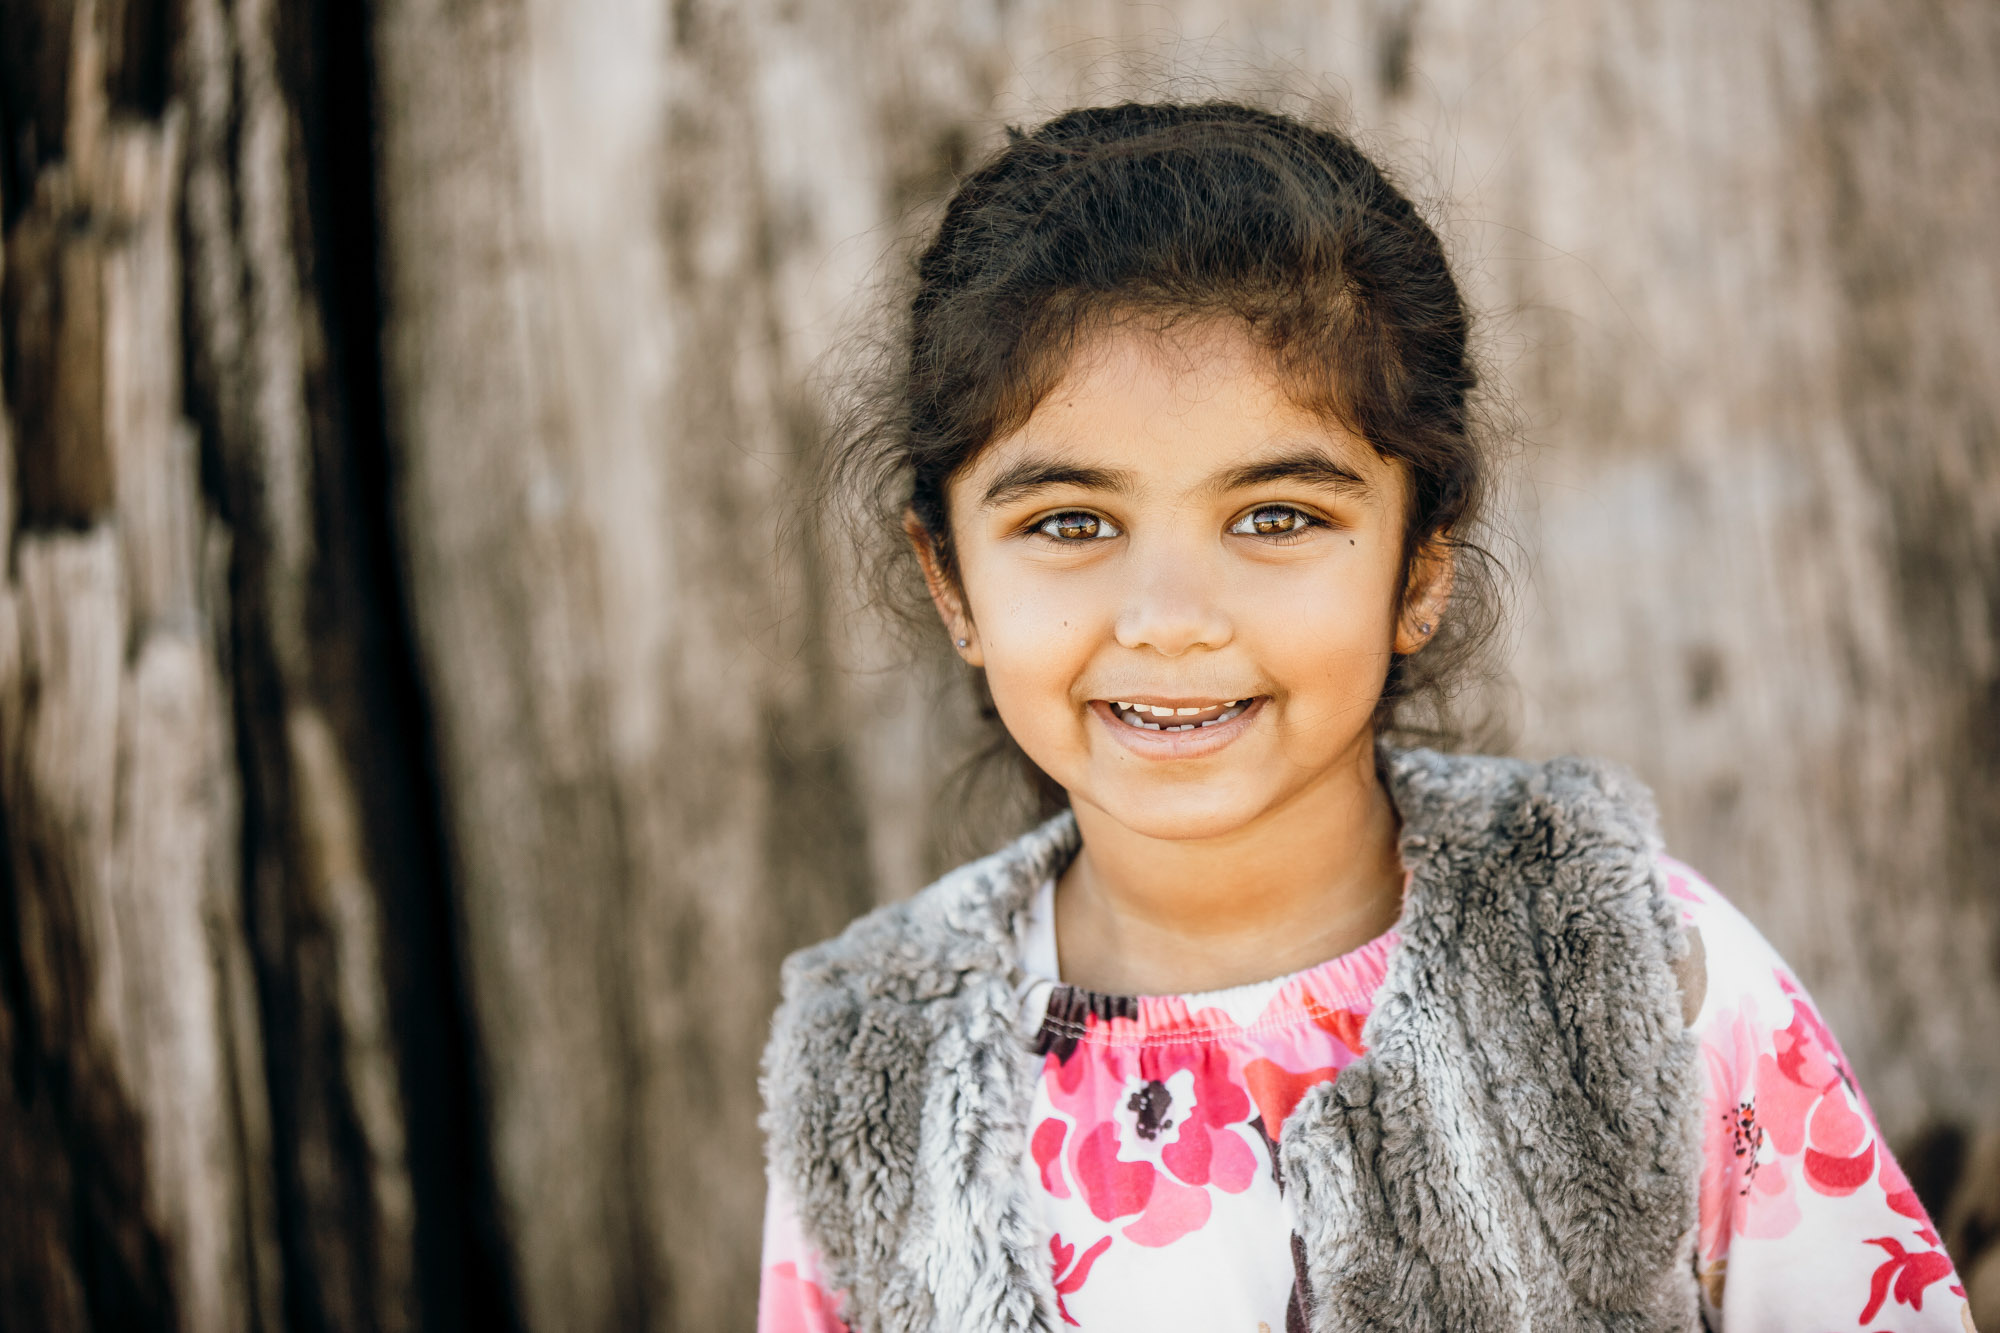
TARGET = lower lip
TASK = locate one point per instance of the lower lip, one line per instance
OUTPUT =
(1176, 744)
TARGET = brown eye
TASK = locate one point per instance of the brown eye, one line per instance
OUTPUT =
(1272, 521)
(1076, 526)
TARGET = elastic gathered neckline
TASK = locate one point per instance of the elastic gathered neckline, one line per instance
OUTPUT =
(1313, 996)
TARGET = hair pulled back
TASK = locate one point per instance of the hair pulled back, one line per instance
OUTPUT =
(1193, 211)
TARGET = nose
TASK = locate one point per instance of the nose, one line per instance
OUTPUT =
(1174, 604)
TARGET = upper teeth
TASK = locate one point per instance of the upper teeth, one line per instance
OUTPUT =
(1135, 714)
(1158, 710)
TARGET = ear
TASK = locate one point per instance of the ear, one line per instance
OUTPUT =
(1426, 596)
(945, 595)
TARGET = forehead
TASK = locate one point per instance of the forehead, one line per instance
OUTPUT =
(1176, 406)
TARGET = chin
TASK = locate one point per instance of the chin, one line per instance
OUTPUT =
(1178, 816)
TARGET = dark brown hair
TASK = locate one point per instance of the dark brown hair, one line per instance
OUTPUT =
(1166, 212)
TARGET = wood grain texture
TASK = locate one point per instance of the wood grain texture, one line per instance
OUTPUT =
(224, 956)
(133, 1043)
(646, 782)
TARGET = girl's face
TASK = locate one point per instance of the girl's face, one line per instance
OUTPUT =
(1182, 586)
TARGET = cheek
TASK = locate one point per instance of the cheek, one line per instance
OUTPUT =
(1035, 634)
(1334, 625)
(1036, 645)
(1018, 601)
(1032, 679)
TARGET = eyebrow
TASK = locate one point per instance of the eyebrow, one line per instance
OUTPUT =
(1032, 474)
(1305, 465)
(1309, 466)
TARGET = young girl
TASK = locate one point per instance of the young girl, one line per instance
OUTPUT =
(1276, 1025)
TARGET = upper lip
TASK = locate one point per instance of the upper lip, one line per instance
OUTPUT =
(1168, 701)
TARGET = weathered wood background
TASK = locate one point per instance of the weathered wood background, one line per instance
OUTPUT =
(424, 723)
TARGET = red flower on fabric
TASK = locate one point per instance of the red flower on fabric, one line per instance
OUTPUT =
(1112, 1187)
(1278, 1090)
(1344, 1025)
(1068, 1282)
(1206, 1151)
(1047, 1148)
(1150, 1100)
(1904, 1274)
(1154, 1128)
(1807, 1102)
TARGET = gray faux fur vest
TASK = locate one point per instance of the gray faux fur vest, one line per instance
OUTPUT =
(1541, 1176)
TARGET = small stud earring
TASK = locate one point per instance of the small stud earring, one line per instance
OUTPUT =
(1424, 628)
(961, 643)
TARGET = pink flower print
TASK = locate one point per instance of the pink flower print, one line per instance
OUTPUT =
(1113, 1188)
(1167, 1123)
(1344, 1025)
(1744, 1190)
(1121, 1173)
(1904, 1274)
(1047, 1148)
(1070, 1073)
(1066, 1283)
(790, 1303)
(1206, 1150)
(1152, 1127)
(1306, 1061)
(1681, 882)
(1301, 1059)
(1173, 1211)
(1903, 1199)
(1809, 1104)
(1278, 1090)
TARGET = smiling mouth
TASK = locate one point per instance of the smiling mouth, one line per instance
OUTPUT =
(1171, 717)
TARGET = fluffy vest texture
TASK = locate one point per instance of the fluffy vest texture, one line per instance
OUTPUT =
(1518, 1148)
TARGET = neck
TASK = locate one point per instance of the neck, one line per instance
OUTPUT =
(1302, 883)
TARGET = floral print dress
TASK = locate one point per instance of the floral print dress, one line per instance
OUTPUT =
(1152, 1152)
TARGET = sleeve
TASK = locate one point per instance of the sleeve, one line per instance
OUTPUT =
(791, 1296)
(1807, 1223)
